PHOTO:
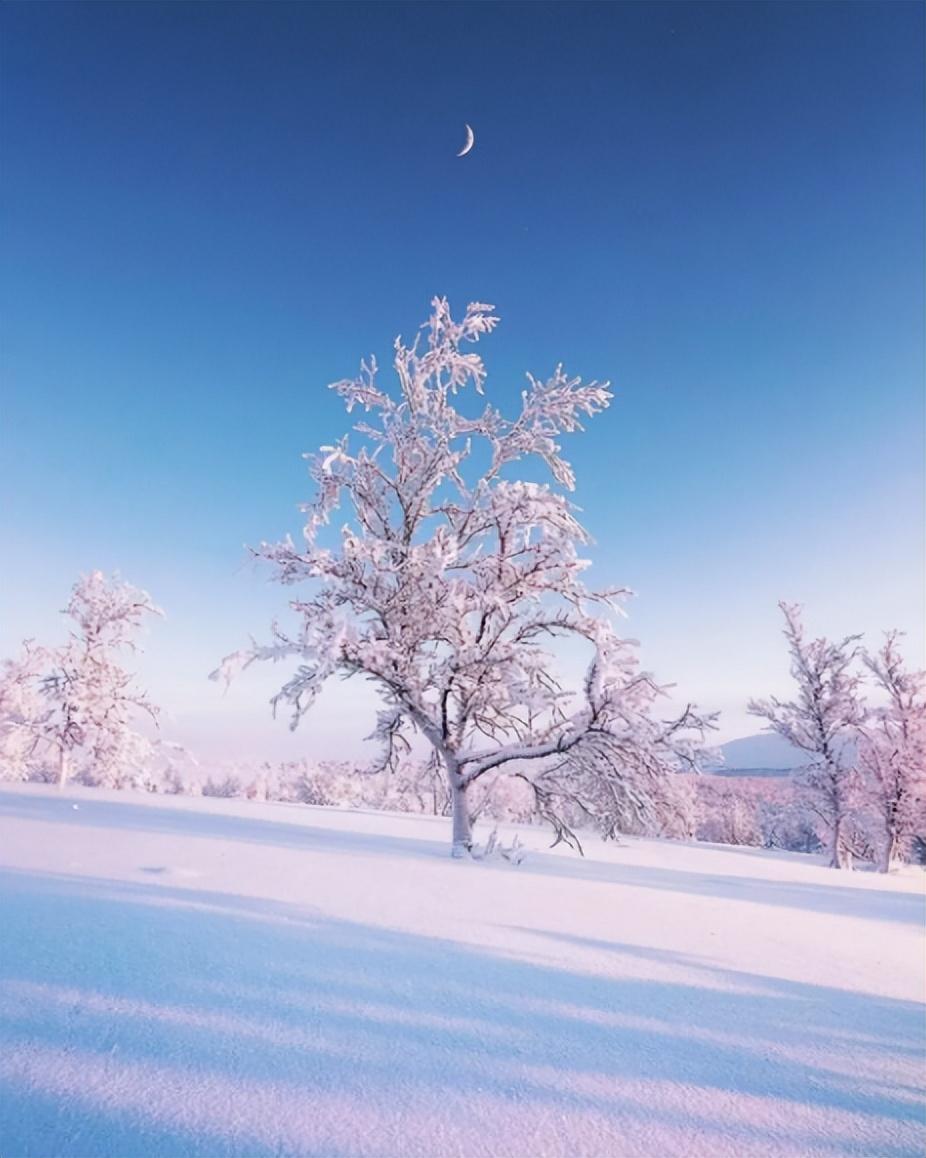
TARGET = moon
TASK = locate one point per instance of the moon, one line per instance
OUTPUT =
(470, 141)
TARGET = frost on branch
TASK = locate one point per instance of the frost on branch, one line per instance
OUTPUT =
(23, 712)
(448, 581)
(494, 849)
(70, 711)
(892, 752)
(823, 722)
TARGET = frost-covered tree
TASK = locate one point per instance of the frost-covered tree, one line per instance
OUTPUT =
(74, 707)
(94, 698)
(449, 575)
(728, 811)
(23, 712)
(892, 751)
(822, 721)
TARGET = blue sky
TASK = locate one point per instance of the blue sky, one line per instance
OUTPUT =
(212, 211)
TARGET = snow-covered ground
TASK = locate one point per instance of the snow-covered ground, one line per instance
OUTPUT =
(193, 977)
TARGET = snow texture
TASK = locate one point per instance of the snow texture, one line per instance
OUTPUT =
(197, 977)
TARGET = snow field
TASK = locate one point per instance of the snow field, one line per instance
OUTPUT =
(201, 977)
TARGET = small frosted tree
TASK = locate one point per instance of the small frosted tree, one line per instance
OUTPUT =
(24, 712)
(91, 699)
(892, 751)
(447, 578)
(822, 721)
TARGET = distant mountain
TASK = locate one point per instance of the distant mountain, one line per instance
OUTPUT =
(763, 753)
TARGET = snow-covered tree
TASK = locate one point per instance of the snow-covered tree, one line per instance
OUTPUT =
(23, 713)
(822, 721)
(728, 811)
(447, 578)
(892, 751)
(95, 699)
(73, 707)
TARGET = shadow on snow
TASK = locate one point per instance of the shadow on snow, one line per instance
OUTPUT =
(839, 894)
(271, 1016)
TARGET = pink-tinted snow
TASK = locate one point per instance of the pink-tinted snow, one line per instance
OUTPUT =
(188, 977)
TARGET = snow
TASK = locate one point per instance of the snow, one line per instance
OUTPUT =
(200, 977)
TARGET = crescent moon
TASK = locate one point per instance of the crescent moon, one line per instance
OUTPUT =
(470, 141)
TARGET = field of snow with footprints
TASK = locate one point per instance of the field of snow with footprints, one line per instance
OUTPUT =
(188, 977)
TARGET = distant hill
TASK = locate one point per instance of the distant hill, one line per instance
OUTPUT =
(764, 754)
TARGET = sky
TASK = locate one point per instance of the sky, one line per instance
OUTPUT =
(212, 211)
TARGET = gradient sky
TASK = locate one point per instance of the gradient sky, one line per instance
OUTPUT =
(212, 211)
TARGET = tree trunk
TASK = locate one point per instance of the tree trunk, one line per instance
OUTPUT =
(889, 854)
(462, 824)
(837, 846)
(62, 766)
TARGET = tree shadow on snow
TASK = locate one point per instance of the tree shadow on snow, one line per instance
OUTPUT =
(836, 896)
(839, 895)
(217, 825)
(143, 1020)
